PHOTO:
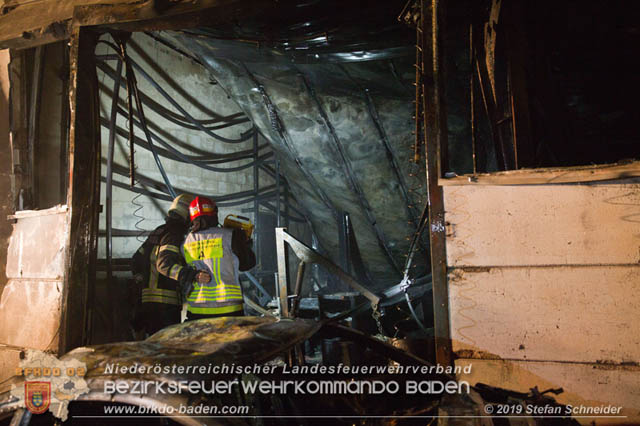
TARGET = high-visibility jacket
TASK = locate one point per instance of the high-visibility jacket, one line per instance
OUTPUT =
(160, 279)
(211, 250)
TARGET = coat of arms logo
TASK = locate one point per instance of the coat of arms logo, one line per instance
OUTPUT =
(37, 396)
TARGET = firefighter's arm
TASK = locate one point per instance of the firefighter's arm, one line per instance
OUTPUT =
(241, 248)
(138, 262)
(170, 261)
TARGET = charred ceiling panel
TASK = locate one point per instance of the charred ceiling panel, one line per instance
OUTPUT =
(342, 130)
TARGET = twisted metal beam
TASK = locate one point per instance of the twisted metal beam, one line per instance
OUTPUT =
(351, 177)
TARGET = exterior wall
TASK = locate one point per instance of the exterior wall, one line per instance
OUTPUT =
(6, 198)
(31, 302)
(544, 288)
(8, 358)
(189, 84)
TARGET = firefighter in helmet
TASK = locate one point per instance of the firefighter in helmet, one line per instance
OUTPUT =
(222, 252)
(160, 270)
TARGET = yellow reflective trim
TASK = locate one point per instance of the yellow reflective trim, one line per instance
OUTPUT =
(160, 291)
(203, 249)
(174, 272)
(218, 272)
(214, 298)
(210, 311)
(153, 272)
(220, 291)
(169, 300)
(170, 247)
(155, 299)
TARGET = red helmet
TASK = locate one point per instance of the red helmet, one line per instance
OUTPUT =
(202, 206)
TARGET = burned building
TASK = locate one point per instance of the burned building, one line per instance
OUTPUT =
(459, 179)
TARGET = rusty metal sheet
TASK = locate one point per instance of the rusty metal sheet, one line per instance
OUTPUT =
(30, 313)
(36, 247)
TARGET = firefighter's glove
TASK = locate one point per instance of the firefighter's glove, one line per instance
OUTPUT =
(186, 279)
(203, 277)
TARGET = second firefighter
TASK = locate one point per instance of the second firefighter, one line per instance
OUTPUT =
(222, 252)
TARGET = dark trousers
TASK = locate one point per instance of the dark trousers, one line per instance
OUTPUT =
(153, 317)
(191, 316)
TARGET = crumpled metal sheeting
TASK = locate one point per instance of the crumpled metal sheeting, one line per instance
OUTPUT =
(217, 341)
(309, 113)
(246, 51)
(312, 31)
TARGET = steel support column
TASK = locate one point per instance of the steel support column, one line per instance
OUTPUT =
(435, 121)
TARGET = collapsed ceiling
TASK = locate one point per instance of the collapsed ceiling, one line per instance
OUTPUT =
(334, 97)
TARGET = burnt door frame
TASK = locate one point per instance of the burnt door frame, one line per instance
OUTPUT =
(83, 192)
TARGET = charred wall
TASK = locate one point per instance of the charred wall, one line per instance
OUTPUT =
(6, 198)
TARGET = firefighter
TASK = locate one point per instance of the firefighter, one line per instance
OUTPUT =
(160, 270)
(223, 252)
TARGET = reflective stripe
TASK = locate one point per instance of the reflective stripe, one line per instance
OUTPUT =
(161, 299)
(217, 291)
(174, 272)
(202, 298)
(218, 288)
(224, 291)
(153, 272)
(160, 291)
(218, 272)
(211, 250)
(170, 247)
(218, 294)
(160, 296)
(211, 311)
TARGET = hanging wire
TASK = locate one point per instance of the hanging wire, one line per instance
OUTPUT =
(132, 83)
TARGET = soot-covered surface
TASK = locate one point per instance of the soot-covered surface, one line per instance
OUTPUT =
(341, 124)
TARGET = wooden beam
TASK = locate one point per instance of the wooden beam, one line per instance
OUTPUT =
(28, 24)
(145, 16)
(435, 122)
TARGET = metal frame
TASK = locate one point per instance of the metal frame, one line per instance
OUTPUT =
(259, 196)
(435, 123)
(308, 255)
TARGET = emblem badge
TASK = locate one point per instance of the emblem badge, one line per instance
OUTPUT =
(37, 396)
